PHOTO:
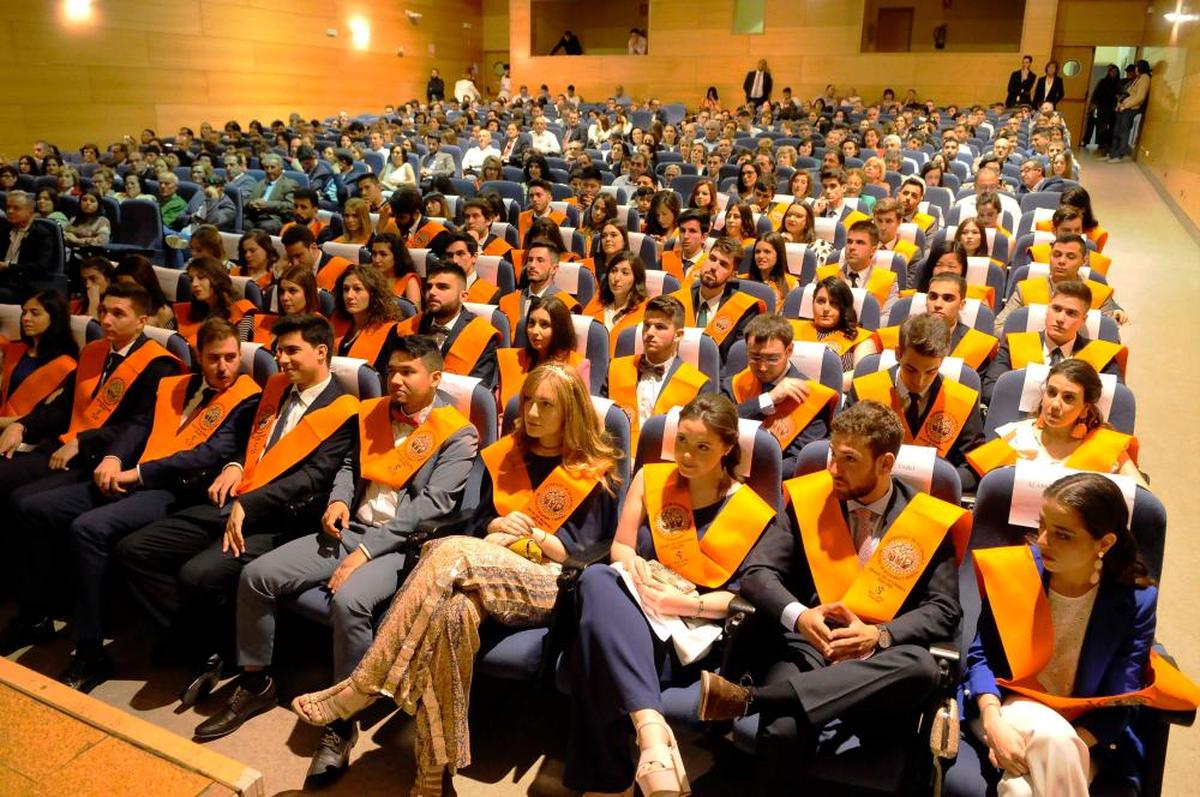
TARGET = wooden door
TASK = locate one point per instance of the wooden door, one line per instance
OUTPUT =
(893, 30)
(1073, 106)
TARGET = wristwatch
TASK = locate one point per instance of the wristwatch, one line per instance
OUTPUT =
(885, 638)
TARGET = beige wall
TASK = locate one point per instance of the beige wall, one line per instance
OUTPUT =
(1169, 149)
(993, 26)
(808, 43)
(163, 63)
(602, 27)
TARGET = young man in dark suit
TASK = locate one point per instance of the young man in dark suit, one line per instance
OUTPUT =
(855, 641)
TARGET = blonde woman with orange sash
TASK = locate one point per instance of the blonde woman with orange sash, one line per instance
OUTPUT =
(1063, 654)
(1068, 430)
(364, 316)
(549, 491)
(36, 364)
(835, 323)
(549, 338)
(685, 529)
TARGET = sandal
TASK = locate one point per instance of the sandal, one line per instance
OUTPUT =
(660, 770)
(322, 708)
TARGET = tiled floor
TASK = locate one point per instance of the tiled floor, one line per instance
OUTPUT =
(520, 751)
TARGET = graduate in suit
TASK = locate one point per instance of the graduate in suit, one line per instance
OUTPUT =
(1061, 339)
(658, 379)
(856, 624)
(199, 422)
(934, 410)
(463, 250)
(712, 300)
(38, 363)
(1067, 255)
(1063, 654)
(184, 568)
(409, 465)
(945, 296)
(1020, 84)
(537, 280)
(795, 410)
(467, 343)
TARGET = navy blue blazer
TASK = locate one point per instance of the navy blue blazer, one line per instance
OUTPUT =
(1113, 660)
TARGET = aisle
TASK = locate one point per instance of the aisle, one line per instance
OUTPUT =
(1156, 272)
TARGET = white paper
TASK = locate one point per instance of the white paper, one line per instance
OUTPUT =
(1031, 390)
(951, 367)
(914, 466)
(1031, 480)
(692, 639)
(807, 358)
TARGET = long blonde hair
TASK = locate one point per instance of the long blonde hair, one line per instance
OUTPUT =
(362, 211)
(587, 449)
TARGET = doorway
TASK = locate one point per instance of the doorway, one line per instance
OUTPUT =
(893, 30)
(1075, 67)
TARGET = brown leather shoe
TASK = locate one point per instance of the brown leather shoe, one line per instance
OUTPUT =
(721, 699)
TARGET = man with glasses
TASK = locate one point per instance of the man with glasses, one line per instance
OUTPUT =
(794, 409)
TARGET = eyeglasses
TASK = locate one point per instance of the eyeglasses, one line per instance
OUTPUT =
(766, 359)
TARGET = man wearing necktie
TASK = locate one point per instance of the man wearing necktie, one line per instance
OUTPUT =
(757, 85)
(715, 286)
(775, 387)
(862, 242)
(271, 201)
(467, 343)
(829, 662)
(359, 547)
(184, 568)
(951, 422)
(139, 482)
(689, 251)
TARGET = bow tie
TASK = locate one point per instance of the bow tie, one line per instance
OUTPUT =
(646, 369)
(400, 416)
(439, 329)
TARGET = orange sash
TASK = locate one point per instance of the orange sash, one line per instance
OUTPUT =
(36, 387)
(481, 291)
(725, 319)
(510, 305)
(400, 284)
(974, 349)
(950, 411)
(262, 327)
(315, 427)
(525, 221)
(805, 330)
(327, 276)
(381, 460)
(191, 329)
(1040, 253)
(1026, 347)
(496, 246)
(682, 387)
(712, 560)
(875, 592)
(514, 367)
(672, 263)
(421, 238)
(924, 221)
(1009, 578)
(879, 284)
(550, 504)
(1100, 452)
(853, 217)
(166, 436)
(790, 418)
(1037, 291)
(467, 347)
(91, 413)
(369, 342)
(906, 249)
(629, 320)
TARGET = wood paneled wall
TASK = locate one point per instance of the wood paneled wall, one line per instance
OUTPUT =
(1169, 149)
(808, 44)
(165, 63)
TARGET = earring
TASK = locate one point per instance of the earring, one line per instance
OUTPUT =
(1080, 431)
(1094, 578)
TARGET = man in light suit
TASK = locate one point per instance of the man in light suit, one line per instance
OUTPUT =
(270, 203)
(879, 666)
(359, 551)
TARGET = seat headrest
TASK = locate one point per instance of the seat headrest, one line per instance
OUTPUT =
(1035, 380)
(239, 286)
(159, 335)
(747, 429)
(806, 300)
(346, 371)
(567, 277)
(229, 242)
(795, 258)
(484, 311)
(249, 351)
(10, 321)
(460, 390)
(79, 327)
(488, 267)
(654, 283)
(825, 228)
(808, 356)
(602, 406)
(951, 367)
(1030, 481)
(584, 324)
(168, 278)
(907, 231)
(1043, 270)
(977, 270)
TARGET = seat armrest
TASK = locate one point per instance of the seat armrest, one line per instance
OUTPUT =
(946, 655)
(573, 567)
(739, 609)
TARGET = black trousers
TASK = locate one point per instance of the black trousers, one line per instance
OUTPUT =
(178, 572)
(890, 682)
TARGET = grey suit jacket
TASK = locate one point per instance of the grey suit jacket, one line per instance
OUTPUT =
(280, 202)
(434, 491)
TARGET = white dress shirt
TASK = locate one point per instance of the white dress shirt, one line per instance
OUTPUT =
(474, 157)
(649, 387)
(546, 143)
(297, 406)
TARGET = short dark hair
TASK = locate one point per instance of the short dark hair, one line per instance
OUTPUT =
(482, 205)
(306, 193)
(948, 276)
(546, 243)
(101, 264)
(1076, 289)
(297, 234)
(1071, 238)
(669, 306)
(214, 330)
(693, 214)
(538, 182)
(917, 181)
(136, 295)
(419, 347)
(406, 199)
(313, 328)
(833, 174)
(868, 226)
(463, 238)
(770, 327)
(446, 267)
(873, 422)
(924, 334)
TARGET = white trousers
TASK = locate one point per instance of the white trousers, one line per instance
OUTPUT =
(1059, 761)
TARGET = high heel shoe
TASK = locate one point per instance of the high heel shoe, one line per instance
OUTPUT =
(660, 771)
(434, 783)
(322, 708)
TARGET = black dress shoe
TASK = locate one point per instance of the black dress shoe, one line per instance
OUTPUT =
(242, 706)
(205, 679)
(87, 671)
(23, 633)
(333, 753)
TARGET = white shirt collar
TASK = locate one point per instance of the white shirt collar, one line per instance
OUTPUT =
(124, 352)
(309, 394)
(450, 323)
